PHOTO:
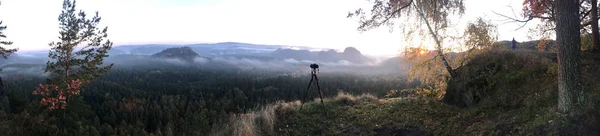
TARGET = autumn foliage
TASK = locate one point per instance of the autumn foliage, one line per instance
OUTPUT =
(56, 97)
(537, 9)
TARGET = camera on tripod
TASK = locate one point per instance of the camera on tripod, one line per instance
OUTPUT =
(314, 66)
(314, 72)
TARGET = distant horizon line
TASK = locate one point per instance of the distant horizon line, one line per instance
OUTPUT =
(190, 43)
(194, 43)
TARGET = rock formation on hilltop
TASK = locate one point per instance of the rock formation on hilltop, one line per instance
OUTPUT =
(353, 55)
(351, 51)
(184, 53)
(350, 54)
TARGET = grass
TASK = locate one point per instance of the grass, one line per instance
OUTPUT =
(260, 122)
(519, 99)
(419, 116)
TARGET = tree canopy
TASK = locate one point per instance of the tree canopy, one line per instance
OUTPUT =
(71, 67)
(5, 51)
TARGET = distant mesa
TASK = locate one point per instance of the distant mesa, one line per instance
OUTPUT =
(184, 53)
(353, 55)
(351, 51)
(350, 54)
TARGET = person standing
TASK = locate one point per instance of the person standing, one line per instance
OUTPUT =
(513, 45)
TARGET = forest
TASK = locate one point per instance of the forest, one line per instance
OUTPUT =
(172, 100)
(452, 84)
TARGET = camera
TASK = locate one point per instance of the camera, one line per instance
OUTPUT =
(314, 66)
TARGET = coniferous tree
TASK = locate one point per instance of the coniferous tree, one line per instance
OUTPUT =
(4, 52)
(76, 59)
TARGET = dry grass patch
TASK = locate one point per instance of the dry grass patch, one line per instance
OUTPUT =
(256, 123)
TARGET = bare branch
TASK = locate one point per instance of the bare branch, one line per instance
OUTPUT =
(513, 19)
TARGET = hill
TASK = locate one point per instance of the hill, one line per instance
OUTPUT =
(515, 95)
(208, 49)
(349, 54)
(529, 45)
(185, 53)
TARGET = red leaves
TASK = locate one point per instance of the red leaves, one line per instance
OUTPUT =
(73, 86)
(56, 97)
(44, 89)
(53, 101)
(536, 8)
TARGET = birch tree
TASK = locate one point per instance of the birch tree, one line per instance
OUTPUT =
(431, 15)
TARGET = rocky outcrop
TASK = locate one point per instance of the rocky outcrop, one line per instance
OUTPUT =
(353, 55)
(350, 54)
(184, 53)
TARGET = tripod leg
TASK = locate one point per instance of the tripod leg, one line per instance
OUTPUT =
(319, 89)
(306, 94)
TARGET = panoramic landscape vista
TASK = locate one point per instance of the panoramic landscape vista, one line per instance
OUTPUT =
(311, 67)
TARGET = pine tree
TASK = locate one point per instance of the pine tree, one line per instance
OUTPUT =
(4, 52)
(76, 59)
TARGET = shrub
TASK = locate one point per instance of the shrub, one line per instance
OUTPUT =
(507, 77)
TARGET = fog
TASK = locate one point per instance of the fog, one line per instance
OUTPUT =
(21, 65)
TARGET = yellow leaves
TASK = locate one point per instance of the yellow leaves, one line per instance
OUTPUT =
(417, 53)
(435, 92)
(480, 34)
(422, 52)
(542, 45)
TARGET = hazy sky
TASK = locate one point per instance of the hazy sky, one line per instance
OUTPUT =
(32, 24)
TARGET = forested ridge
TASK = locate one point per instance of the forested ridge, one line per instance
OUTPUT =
(172, 100)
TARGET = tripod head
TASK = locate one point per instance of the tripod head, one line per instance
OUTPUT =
(314, 68)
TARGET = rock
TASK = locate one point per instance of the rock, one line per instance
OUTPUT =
(353, 55)
(185, 53)
(350, 54)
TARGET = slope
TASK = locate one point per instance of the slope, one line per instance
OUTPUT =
(518, 97)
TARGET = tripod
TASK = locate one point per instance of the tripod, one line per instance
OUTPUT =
(314, 71)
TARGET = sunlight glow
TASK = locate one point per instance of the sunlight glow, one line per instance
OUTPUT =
(422, 52)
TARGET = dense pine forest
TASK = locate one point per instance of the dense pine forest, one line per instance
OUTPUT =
(172, 100)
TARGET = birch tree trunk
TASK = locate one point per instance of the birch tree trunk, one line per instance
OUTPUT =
(437, 41)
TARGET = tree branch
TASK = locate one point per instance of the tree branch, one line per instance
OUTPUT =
(396, 11)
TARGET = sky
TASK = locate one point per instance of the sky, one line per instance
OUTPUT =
(32, 24)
